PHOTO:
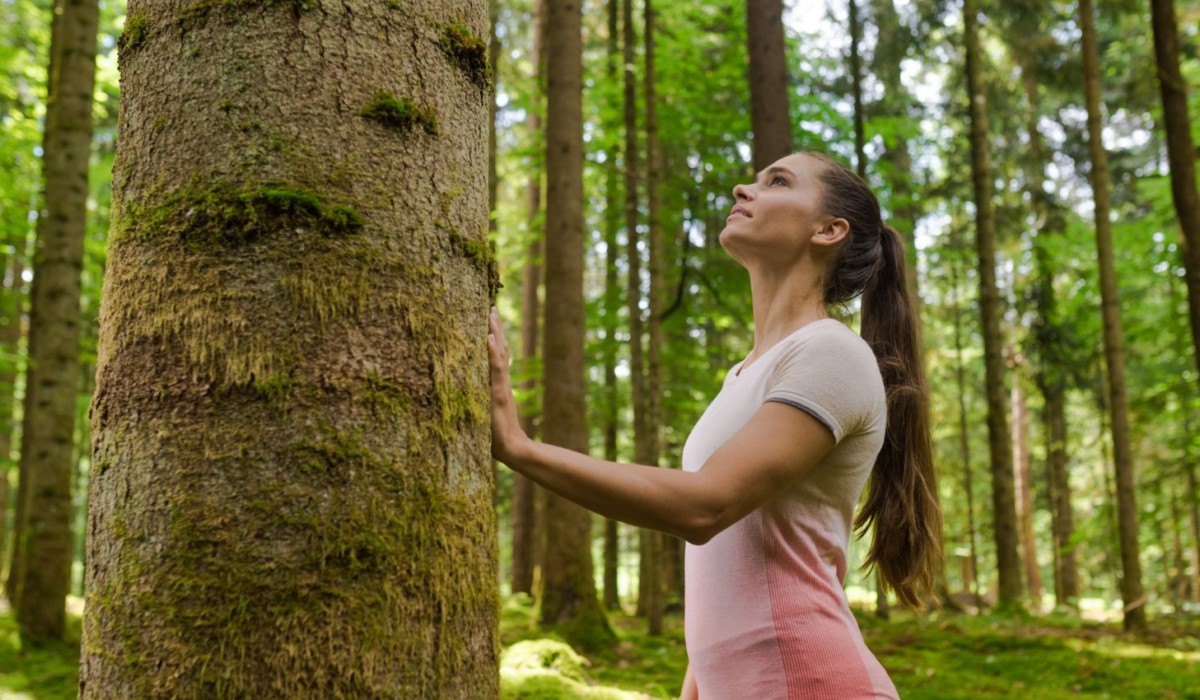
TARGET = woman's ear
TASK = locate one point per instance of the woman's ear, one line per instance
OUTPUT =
(832, 233)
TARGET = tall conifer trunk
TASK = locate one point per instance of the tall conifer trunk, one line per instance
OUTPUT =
(1050, 373)
(971, 574)
(612, 225)
(47, 544)
(1114, 352)
(527, 541)
(770, 116)
(1004, 514)
(1023, 473)
(569, 590)
(10, 338)
(291, 490)
(1181, 153)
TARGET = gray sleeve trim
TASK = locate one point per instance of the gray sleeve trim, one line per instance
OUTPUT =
(806, 409)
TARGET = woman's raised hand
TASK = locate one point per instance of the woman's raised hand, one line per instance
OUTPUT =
(506, 427)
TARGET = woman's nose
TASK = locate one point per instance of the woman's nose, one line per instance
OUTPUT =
(741, 192)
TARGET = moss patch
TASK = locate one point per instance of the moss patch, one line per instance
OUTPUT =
(135, 31)
(479, 252)
(469, 52)
(223, 216)
(400, 114)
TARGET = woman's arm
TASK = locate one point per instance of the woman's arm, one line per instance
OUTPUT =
(778, 444)
(689, 691)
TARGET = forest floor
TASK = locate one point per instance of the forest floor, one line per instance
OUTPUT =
(932, 657)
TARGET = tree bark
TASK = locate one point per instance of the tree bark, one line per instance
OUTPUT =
(526, 494)
(10, 338)
(612, 225)
(569, 590)
(1181, 153)
(860, 137)
(651, 448)
(52, 379)
(1114, 353)
(1023, 475)
(890, 49)
(1049, 373)
(291, 488)
(970, 572)
(1008, 561)
(770, 116)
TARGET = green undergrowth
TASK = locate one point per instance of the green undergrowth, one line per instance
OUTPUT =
(933, 657)
(46, 673)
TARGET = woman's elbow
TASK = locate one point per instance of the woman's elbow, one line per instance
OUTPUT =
(704, 526)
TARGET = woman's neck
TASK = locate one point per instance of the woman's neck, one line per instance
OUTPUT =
(782, 304)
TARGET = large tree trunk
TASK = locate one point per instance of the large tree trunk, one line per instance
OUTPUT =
(526, 542)
(770, 116)
(1114, 353)
(1050, 374)
(1181, 153)
(291, 484)
(52, 380)
(1004, 517)
(569, 590)
(1023, 475)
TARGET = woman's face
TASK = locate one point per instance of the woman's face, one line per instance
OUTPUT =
(775, 216)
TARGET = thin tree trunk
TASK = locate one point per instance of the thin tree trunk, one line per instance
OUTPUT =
(569, 589)
(653, 385)
(860, 138)
(770, 116)
(971, 581)
(1114, 353)
(290, 491)
(1050, 373)
(527, 540)
(1181, 153)
(1004, 518)
(612, 224)
(890, 49)
(1023, 475)
(10, 338)
(52, 380)
(1193, 505)
(1177, 582)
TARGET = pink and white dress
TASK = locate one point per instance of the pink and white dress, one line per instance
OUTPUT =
(765, 614)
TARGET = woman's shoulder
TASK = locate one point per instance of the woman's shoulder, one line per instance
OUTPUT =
(831, 338)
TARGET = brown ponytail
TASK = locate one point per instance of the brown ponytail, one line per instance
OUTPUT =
(901, 504)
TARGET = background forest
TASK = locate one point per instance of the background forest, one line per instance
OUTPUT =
(1023, 147)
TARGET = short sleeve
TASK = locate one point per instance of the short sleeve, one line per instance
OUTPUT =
(831, 374)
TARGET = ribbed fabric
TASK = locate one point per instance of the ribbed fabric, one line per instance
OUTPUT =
(765, 614)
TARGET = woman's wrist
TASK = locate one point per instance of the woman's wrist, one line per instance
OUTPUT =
(513, 450)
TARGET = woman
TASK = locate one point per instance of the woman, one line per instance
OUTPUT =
(773, 469)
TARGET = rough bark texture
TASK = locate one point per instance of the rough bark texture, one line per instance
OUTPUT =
(569, 590)
(1004, 512)
(52, 380)
(1181, 153)
(526, 542)
(770, 116)
(1023, 474)
(1114, 353)
(291, 483)
(1050, 373)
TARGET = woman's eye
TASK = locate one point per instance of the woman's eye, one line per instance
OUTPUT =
(777, 180)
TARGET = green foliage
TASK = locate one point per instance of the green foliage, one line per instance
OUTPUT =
(402, 115)
(45, 673)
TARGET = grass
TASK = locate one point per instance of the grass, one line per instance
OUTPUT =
(941, 656)
(46, 673)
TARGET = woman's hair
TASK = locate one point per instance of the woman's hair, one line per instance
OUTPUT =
(901, 504)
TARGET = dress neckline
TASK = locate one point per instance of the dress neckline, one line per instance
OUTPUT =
(741, 367)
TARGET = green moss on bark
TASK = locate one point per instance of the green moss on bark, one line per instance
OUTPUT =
(400, 114)
(135, 31)
(480, 253)
(469, 52)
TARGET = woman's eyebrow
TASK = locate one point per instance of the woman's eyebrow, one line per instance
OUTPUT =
(775, 170)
